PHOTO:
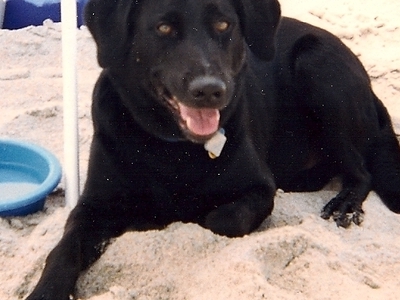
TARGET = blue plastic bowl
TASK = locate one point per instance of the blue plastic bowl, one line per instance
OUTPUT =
(28, 173)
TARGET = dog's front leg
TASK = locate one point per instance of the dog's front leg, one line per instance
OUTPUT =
(84, 240)
(61, 271)
(243, 215)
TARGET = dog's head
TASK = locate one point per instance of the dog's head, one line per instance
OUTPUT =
(183, 55)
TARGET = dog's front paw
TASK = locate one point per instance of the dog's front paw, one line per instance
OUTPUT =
(48, 296)
(38, 295)
(232, 220)
(344, 209)
(228, 220)
(50, 292)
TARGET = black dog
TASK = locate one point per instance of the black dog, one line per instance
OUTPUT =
(203, 109)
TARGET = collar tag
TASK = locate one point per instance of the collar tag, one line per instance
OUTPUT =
(215, 145)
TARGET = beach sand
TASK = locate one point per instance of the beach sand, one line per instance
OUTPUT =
(294, 254)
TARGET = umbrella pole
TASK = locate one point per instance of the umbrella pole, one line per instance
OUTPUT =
(70, 97)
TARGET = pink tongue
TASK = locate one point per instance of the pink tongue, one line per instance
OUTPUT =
(200, 121)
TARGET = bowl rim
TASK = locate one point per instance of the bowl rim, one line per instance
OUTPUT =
(49, 183)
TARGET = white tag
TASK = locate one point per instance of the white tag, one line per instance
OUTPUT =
(215, 145)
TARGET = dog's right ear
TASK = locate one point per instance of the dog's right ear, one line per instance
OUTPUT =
(111, 24)
(259, 21)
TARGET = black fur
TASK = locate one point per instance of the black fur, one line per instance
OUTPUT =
(296, 106)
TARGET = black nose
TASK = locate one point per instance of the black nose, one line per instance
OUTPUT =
(208, 91)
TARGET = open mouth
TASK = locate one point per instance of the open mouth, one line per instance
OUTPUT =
(199, 124)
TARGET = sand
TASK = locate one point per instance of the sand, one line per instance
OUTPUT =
(293, 255)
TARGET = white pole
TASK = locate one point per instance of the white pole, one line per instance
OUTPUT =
(70, 96)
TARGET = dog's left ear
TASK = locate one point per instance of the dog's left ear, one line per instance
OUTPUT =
(259, 20)
(110, 22)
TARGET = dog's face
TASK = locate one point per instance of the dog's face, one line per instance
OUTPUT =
(193, 50)
(184, 57)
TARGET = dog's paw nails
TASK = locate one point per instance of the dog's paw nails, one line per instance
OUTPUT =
(342, 219)
(358, 217)
(343, 211)
(325, 215)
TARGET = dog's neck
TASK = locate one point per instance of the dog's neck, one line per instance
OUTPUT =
(213, 146)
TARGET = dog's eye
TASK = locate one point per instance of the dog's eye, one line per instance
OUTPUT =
(165, 29)
(221, 26)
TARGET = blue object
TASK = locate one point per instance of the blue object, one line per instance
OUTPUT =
(23, 13)
(28, 173)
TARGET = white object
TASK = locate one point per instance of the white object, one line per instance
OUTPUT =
(2, 10)
(70, 96)
(215, 145)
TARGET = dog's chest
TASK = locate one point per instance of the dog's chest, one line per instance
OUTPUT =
(178, 168)
(175, 165)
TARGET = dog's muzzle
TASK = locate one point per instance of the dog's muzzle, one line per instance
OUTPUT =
(198, 108)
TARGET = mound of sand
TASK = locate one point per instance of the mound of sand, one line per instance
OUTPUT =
(293, 255)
